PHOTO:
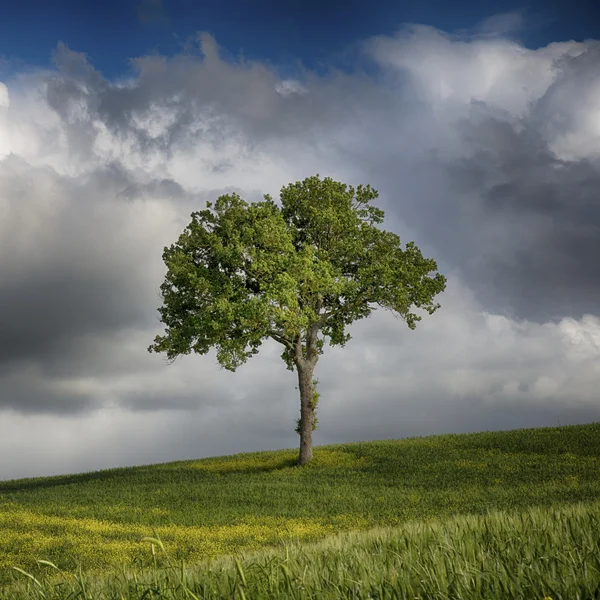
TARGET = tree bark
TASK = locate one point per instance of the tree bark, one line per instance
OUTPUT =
(305, 364)
(305, 374)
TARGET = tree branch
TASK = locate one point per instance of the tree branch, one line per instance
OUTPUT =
(359, 298)
(279, 337)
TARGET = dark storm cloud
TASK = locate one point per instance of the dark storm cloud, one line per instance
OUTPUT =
(42, 313)
(165, 188)
(67, 271)
(27, 390)
(530, 221)
(150, 400)
(509, 197)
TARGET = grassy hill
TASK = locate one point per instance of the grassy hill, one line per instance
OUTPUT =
(206, 509)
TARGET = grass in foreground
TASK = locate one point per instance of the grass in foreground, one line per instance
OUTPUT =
(537, 553)
(208, 508)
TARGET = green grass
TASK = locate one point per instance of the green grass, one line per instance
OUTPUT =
(213, 508)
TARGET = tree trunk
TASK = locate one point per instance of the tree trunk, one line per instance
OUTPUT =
(305, 375)
(305, 364)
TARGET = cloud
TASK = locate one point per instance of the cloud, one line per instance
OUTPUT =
(73, 257)
(4, 97)
(290, 86)
(515, 214)
(483, 152)
(572, 132)
(538, 217)
(502, 24)
(448, 72)
(461, 367)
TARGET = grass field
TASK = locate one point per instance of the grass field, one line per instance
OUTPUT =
(494, 515)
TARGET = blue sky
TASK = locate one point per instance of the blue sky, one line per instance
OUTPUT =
(478, 124)
(318, 33)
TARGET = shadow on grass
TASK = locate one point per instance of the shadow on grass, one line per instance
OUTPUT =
(386, 458)
(139, 474)
(59, 480)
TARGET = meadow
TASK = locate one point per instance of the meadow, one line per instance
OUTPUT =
(484, 515)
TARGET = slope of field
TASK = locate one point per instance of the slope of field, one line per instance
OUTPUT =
(207, 508)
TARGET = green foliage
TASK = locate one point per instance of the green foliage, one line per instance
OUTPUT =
(241, 273)
(313, 406)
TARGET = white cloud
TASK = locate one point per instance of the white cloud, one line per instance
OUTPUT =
(30, 128)
(569, 115)
(503, 23)
(4, 97)
(290, 86)
(451, 73)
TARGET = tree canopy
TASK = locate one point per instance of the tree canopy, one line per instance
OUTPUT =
(241, 273)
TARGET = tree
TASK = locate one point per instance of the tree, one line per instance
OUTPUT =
(241, 273)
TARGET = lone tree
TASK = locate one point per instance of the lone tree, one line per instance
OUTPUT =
(240, 273)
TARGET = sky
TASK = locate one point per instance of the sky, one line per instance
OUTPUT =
(479, 126)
